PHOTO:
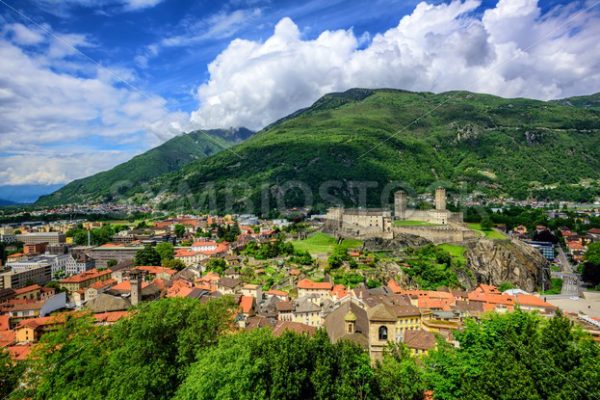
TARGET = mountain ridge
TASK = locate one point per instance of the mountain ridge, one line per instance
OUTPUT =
(169, 156)
(470, 142)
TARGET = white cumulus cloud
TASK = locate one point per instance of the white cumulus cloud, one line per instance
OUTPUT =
(51, 102)
(509, 50)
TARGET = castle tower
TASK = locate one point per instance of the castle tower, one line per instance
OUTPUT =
(400, 204)
(440, 199)
(136, 287)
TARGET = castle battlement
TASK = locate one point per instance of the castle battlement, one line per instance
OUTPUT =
(445, 225)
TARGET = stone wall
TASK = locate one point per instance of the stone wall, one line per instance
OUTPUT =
(437, 234)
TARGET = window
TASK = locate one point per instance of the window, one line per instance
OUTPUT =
(383, 333)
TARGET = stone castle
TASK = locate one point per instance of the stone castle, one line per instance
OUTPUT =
(438, 225)
(438, 216)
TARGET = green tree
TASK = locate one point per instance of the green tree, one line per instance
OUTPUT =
(174, 264)
(166, 251)
(337, 258)
(518, 355)
(141, 225)
(235, 369)
(504, 286)
(217, 265)
(398, 376)
(144, 356)
(486, 223)
(154, 349)
(179, 230)
(302, 257)
(591, 267)
(69, 362)
(256, 365)
(147, 256)
(9, 374)
(2, 253)
(232, 233)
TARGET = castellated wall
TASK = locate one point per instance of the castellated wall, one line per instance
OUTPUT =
(437, 234)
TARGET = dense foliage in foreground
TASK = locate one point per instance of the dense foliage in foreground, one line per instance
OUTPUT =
(181, 349)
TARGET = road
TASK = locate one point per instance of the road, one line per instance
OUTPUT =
(564, 261)
(571, 282)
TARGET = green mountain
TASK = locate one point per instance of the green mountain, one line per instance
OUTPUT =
(4, 202)
(133, 174)
(473, 143)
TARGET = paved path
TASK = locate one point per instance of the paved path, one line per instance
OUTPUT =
(571, 281)
(564, 261)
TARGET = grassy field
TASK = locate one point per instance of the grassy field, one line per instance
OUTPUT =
(322, 243)
(409, 222)
(555, 286)
(491, 234)
(455, 251)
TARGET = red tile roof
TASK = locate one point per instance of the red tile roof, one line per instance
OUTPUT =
(311, 285)
(4, 322)
(103, 284)
(210, 277)
(434, 304)
(125, 286)
(156, 270)
(27, 289)
(488, 289)
(431, 294)
(288, 326)
(35, 323)
(19, 352)
(339, 291)
(110, 316)
(275, 292)
(7, 338)
(503, 299)
(246, 303)
(186, 252)
(394, 286)
(205, 243)
(530, 300)
(87, 275)
(27, 305)
(179, 288)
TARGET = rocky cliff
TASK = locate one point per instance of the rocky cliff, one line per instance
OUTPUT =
(396, 245)
(496, 261)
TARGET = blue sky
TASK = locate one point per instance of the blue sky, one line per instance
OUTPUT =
(126, 38)
(88, 84)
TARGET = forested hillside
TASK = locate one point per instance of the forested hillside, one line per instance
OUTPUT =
(469, 142)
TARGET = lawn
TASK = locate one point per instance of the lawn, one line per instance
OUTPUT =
(455, 251)
(410, 222)
(491, 234)
(322, 243)
(555, 286)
